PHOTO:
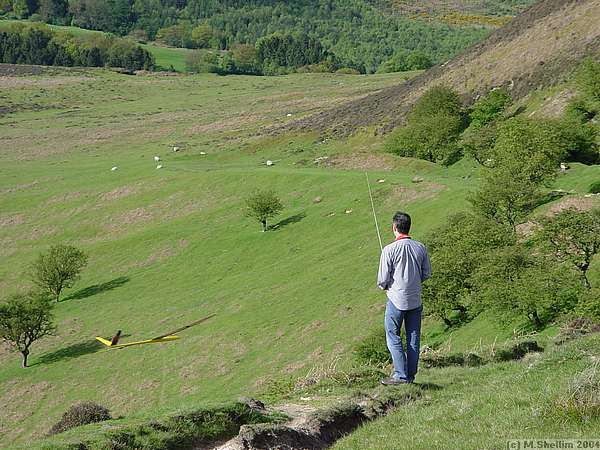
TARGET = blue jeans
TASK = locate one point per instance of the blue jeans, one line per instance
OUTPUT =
(405, 363)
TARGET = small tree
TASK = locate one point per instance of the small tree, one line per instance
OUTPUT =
(574, 236)
(263, 205)
(58, 268)
(24, 319)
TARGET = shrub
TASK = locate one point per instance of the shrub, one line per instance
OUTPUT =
(435, 359)
(80, 414)
(200, 61)
(433, 128)
(589, 305)
(322, 67)
(489, 108)
(437, 100)
(347, 71)
(372, 350)
(405, 60)
(433, 139)
(595, 187)
(518, 351)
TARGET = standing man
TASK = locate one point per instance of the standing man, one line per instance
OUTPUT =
(404, 265)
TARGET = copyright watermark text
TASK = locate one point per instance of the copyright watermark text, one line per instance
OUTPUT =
(523, 444)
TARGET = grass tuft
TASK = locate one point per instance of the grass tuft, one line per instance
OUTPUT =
(581, 401)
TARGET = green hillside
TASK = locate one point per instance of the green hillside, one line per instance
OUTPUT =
(168, 246)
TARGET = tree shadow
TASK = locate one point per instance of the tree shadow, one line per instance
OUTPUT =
(97, 289)
(288, 221)
(72, 351)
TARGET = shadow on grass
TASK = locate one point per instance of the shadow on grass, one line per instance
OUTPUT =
(428, 386)
(288, 221)
(97, 289)
(72, 351)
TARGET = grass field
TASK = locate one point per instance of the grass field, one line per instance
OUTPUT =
(165, 57)
(170, 246)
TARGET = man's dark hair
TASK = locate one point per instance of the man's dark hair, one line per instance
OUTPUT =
(402, 222)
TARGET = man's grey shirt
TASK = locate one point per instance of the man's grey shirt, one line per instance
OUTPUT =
(404, 265)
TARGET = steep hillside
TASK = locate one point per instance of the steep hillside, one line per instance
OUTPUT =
(442, 7)
(535, 49)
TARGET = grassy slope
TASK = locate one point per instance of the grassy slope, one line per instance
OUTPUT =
(168, 246)
(165, 57)
(483, 408)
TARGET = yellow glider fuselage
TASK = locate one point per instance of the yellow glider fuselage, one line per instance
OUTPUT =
(129, 344)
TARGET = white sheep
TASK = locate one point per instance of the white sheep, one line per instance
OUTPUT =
(159, 166)
(203, 153)
(269, 162)
(176, 149)
(156, 158)
(114, 168)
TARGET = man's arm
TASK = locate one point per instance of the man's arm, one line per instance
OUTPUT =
(384, 278)
(425, 266)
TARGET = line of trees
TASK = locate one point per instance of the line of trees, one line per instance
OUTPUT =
(491, 263)
(38, 44)
(359, 33)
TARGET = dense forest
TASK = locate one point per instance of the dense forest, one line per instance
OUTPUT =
(360, 34)
(38, 44)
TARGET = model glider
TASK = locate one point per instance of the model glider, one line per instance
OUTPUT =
(166, 337)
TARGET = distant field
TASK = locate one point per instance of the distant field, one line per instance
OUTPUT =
(166, 57)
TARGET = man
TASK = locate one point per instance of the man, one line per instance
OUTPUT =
(404, 265)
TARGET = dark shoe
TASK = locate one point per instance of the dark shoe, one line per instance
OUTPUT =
(394, 381)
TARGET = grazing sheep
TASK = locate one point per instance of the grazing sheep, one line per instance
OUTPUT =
(175, 148)
(289, 114)
(114, 168)
(156, 158)
(203, 153)
(159, 166)
(269, 162)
